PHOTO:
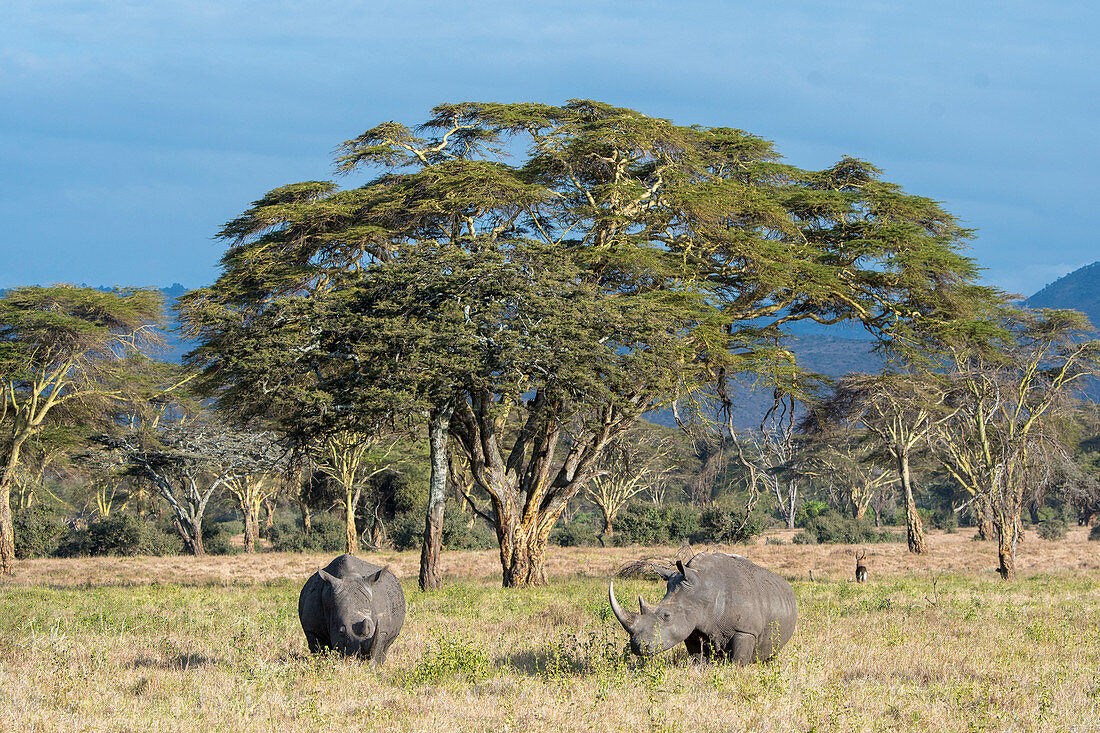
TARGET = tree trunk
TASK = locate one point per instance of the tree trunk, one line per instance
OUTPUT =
(250, 529)
(985, 518)
(523, 550)
(1007, 535)
(914, 528)
(7, 529)
(351, 534)
(307, 518)
(438, 425)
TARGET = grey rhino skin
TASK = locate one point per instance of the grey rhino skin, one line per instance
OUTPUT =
(721, 606)
(352, 606)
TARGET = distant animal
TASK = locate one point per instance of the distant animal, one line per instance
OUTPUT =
(720, 606)
(353, 607)
(861, 569)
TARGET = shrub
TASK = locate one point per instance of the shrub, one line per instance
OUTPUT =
(832, 527)
(217, 536)
(407, 531)
(121, 534)
(1094, 533)
(1052, 529)
(804, 538)
(327, 534)
(580, 532)
(728, 524)
(650, 524)
(38, 531)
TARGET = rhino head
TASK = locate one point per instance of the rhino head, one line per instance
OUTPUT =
(348, 604)
(657, 628)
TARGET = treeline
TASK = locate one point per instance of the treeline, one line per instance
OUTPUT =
(471, 335)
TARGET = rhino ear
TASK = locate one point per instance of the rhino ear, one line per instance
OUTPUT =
(687, 573)
(332, 580)
(664, 572)
(372, 579)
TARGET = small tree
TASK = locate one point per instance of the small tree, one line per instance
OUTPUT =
(60, 348)
(1008, 393)
(901, 410)
(626, 470)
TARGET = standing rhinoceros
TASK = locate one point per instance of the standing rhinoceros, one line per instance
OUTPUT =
(721, 606)
(353, 607)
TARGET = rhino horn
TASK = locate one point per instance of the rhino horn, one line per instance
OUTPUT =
(645, 607)
(626, 618)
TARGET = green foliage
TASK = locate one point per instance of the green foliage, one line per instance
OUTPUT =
(327, 534)
(834, 527)
(582, 531)
(727, 523)
(1052, 529)
(407, 531)
(724, 522)
(651, 524)
(39, 531)
(450, 657)
(216, 537)
(120, 534)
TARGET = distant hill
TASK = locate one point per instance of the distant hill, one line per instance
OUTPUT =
(1079, 290)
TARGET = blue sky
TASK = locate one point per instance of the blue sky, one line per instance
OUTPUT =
(131, 131)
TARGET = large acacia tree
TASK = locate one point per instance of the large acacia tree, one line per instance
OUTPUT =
(618, 261)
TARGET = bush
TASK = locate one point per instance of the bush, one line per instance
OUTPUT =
(38, 531)
(582, 531)
(727, 525)
(650, 524)
(804, 538)
(121, 534)
(217, 536)
(833, 527)
(1052, 529)
(1094, 533)
(327, 534)
(407, 531)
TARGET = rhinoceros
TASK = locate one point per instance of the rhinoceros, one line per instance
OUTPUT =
(352, 606)
(721, 606)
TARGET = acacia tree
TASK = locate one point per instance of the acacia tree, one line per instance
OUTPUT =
(641, 259)
(901, 410)
(625, 470)
(60, 349)
(1007, 398)
(843, 459)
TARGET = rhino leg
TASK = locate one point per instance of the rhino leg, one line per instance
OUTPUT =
(742, 648)
(315, 643)
(695, 645)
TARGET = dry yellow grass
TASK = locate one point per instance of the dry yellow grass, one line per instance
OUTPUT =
(215, 645)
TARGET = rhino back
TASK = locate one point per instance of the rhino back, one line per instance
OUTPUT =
(745, 597)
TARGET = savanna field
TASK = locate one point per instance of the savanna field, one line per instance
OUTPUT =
(936, 642)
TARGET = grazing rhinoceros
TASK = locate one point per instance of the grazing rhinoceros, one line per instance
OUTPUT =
(721, 606)
(353, 607)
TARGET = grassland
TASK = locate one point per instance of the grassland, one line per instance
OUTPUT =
(931, 643)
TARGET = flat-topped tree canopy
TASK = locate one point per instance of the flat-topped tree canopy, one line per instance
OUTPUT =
(654, 255)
